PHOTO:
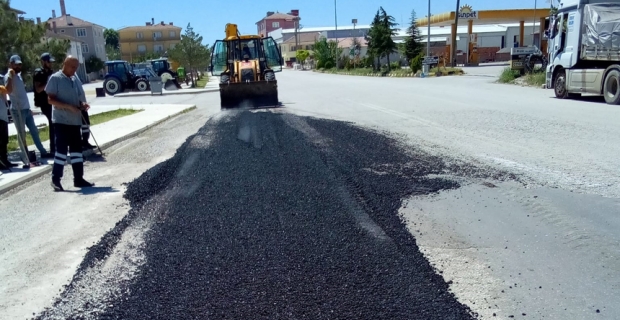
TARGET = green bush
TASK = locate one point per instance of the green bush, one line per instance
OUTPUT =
(508, 75)
(416, 63)
(328, 64)
(395, 65)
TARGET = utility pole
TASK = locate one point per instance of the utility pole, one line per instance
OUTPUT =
(428, 31)
(296, 29)
(456, 27)
(336, 25)
(534, 27)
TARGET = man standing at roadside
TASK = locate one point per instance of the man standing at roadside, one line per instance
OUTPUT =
(64, 94)
(20, 106)
(5, 164)
(40, 96)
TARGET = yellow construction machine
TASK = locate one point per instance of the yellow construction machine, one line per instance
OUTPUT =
(246, 65)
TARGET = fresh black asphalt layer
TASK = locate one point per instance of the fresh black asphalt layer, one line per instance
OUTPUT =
(273, 216)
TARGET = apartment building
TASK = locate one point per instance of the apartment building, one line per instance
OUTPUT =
(150, 38)
(90, 34)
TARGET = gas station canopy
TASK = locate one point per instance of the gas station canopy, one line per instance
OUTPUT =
(482, 17)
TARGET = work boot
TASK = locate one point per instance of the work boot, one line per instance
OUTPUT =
(87, 146)
(81, 183)
(57, 186)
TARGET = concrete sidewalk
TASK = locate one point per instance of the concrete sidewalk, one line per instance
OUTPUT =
(106, 134)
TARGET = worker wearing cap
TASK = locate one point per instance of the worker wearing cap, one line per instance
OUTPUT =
(40, 96)
(20, 107)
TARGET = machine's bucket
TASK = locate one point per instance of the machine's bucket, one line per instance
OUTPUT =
(249, 94)
(171, 85)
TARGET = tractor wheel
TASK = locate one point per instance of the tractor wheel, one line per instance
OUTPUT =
(142, 85)
(270, 76)
(112, 86)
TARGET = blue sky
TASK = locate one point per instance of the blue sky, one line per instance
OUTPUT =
(209, 17)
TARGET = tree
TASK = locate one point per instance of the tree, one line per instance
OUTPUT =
(19, 37)
(58, 48)
(112, 53)
(374, 39)
(111, 38)
(301, 56)
(326, 53)
(413, 43)
(389, 28)
(382, 29)
(190, 52)
(93, 64)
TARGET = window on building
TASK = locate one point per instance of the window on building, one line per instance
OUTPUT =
(275, 24)
(84, 48)
(81, 32)
(172, 45)
(141, 48)
(173, 34)
(157, 35)
(139, 35)
(158, 48)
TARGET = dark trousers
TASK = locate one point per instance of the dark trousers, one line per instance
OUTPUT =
(68, 141)
(4, 141)
(85, 128)
(47, 111)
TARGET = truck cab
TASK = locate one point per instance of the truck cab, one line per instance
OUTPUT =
(584, 53)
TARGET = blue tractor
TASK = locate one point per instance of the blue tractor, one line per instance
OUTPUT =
(120, 76)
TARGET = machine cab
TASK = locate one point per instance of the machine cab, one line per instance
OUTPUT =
(225, 52)
(120, 69)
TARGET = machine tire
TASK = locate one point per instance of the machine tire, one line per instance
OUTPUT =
(112, 86)
(142, 85)
(611, 87)
(224, 78)
(559, 85)
(270, 76)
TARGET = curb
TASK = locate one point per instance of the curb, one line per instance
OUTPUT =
(185, 91)
(389, 75)
(48, 168)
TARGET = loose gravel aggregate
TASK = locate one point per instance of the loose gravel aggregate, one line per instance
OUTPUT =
(273, 216)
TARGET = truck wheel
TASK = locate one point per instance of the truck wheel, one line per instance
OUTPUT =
(112, 86)
(142, 85)
(270, 76)
(559, 85)
(611, 87)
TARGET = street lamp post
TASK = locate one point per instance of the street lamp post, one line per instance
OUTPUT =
(336, 31)
(428, 31)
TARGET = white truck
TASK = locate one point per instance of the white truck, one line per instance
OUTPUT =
(584, 49)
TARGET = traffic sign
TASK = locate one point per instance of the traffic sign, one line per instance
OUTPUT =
(430, 60)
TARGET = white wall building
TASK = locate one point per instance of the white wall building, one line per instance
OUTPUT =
(75, 50)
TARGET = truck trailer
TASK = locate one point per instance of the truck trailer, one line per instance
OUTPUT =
(584, 49)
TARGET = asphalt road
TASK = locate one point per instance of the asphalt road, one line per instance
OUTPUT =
(540, 242)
